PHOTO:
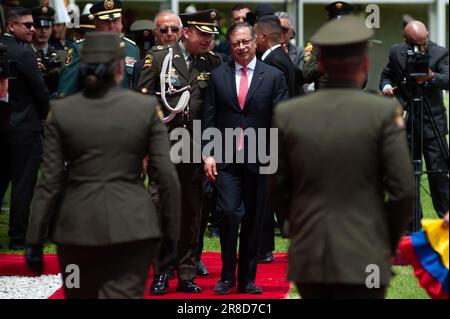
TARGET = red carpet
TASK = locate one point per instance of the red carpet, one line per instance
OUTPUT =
(271, 277)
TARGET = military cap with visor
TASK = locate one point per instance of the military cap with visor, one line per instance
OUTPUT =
(348, 36)
(102, 47)
(43, 16)
(86, 23)
(205, 21)
(107, 10)
(338, 9)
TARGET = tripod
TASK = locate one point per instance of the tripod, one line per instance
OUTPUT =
(418, 104)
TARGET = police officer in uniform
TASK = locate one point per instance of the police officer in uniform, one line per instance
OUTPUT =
(311, 72)
(186, 66)
(347, 203)
(107, 17)
(104, 221)
(49, 58)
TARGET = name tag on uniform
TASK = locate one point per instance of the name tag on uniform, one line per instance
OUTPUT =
(130, 61)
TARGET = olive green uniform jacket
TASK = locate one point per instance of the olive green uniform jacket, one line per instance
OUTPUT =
(100, 199)
(342, 152)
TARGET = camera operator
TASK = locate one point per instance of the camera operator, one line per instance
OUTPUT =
(20, 132)
(49, 59)
(396, 80)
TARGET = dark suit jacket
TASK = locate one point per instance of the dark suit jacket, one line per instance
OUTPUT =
(28, 95)
(104, 201)
(294, 80)
(340, 153)
(394, 72)
(221, 107)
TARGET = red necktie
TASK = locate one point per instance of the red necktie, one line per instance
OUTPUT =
(243, 89)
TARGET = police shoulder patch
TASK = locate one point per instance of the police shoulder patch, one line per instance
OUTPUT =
(148, 60)
(400, 118)
(308, 51)
(69, 57)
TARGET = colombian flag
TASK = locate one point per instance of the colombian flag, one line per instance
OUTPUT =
(427, 252)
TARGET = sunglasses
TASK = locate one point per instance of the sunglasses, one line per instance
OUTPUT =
(166, 29)
(28, 25)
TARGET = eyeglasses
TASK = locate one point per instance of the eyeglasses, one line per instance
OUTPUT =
(237, 44)
(166, 29)
(28, 25)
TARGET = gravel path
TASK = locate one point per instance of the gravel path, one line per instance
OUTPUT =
(17, 287)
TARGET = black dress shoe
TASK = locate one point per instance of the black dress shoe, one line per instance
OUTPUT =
(266, 258)
(223, 287)
(201, 269)
(250, 288)
(160, 284)
(188, 286)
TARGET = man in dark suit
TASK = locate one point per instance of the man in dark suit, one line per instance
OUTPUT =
(242, 95)
(394, 82)
(20, 131)
(344, 180)
(269, 35)
(181, 97)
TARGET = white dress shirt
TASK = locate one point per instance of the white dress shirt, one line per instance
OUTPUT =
(238, 73)
(268, 51)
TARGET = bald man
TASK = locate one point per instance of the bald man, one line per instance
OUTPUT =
(392, 84)
(167, 28)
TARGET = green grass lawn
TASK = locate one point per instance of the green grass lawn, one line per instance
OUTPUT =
(403, 285)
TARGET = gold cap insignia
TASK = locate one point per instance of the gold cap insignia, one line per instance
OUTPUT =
(339, 5)
(213, 14)
(108, 4)
(44, 10)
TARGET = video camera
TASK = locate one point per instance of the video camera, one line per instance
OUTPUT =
(417, 62)
(8, 68)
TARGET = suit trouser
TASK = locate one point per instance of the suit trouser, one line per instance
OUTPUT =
(438, 182)
(240, 201)
(19, 164)
(190, 176)
(339, 291)
(116, 271)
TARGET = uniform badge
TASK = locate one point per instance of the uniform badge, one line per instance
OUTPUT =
(148, 61)
(130, 61)
(308, 52)
(204, 76)
(69, 56)
(108, 4)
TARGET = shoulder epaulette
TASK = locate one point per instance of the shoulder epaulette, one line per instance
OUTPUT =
(131, 41)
